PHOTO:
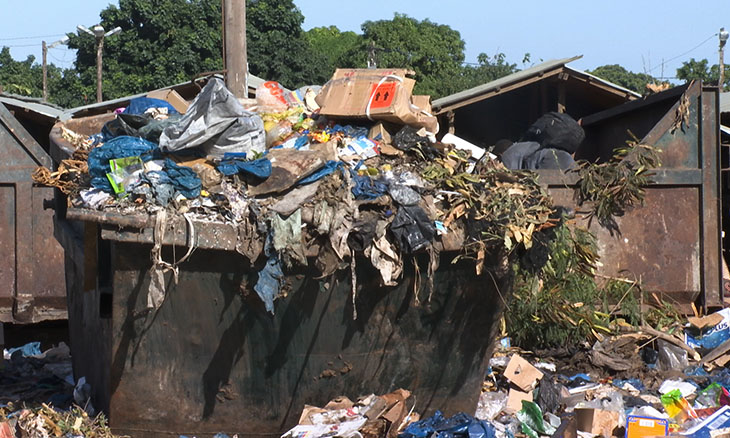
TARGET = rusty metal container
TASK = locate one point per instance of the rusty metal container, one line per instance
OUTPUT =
(32, 262)
(213, 360)
(671, 245)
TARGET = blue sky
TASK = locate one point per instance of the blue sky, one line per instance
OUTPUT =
(638, 34)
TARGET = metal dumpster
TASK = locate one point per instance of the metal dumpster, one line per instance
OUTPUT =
(213, 360)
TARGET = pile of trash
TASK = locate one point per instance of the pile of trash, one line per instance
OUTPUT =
(310, 177)
(39, 397)
(643, 383)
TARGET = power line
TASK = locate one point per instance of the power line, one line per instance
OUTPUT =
(683, 54)
(31, 37)
(21, 45)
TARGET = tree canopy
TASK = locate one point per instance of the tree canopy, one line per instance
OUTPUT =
(702, 70)
(620, 76)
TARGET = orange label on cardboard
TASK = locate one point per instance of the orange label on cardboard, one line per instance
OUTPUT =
(637, 427)
(382, 95)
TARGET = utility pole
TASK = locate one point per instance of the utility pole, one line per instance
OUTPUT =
(63, 40)
(235, 60)
(723, 39)
(98, 33)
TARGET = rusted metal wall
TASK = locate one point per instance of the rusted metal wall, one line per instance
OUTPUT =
(31, 266)
(671, 245)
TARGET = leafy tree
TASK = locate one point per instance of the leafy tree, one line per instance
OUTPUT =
(489, 69)
(20, 77)
(701, 69)
(625, 78)
(435, 52)
(333, 44)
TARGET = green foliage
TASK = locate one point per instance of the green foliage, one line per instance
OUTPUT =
(702, 70)
(20, 77)
(434, 51)
(620, 76)
(614, 187)
(333, 44)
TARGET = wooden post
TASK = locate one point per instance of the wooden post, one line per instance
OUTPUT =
(45, 71)
(234, 37)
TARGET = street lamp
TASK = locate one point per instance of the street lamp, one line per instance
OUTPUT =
(723, 39)
(98, 33)
(45, 47)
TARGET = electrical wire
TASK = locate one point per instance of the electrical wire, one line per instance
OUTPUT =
(20, 45)
(31, 37)
(664, 62)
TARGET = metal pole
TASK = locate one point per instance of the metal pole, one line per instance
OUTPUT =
(45, 71)
(99, 48)
(234, 39)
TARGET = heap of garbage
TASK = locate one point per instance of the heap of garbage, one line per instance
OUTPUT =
(309, 177)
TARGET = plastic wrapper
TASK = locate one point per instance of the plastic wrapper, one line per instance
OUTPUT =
(677, 407)
(671, 357)
(715, 395)
(490, 405)
(460, 425)
(271, 97)
(532, 421)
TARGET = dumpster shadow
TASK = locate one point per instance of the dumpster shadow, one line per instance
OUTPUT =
(230, 348)
(128, 334)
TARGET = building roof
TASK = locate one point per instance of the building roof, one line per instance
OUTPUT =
(36, 105)
(538, 71)
(100, 107)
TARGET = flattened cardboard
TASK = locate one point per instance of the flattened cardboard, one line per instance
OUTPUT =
(172, 97)
(376, 94)
(642, 427)
(514, 400)
(522, 373)
(597, 421)
(706, 321)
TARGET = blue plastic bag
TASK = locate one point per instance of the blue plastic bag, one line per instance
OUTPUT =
(184, 179)
(139, 105)
(260, 168)
(460, 425)
(118, 147)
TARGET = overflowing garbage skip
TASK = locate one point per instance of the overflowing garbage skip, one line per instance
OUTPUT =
(245, 258)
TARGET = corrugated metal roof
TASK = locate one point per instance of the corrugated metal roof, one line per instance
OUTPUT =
(603, 81)
(502, 82)
(31, 104)
(253, 82)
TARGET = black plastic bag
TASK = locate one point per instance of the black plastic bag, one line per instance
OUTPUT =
(412, 228)
(556, 130)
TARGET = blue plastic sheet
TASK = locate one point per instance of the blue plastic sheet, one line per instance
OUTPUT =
(460, 425)
(636, 383)
(139, 105)
(323, 171)
(268, 284)
(29, 349)
(118, 147)
(184, 179)
(365, 187)
(260, 168)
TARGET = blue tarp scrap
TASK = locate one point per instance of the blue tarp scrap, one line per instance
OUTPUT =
(365, 187)
(460, 425)
(139, 105)
(27, 350)
(328, 168)
(118, 147)
(268, 284)
(184, 179)
(260, 168)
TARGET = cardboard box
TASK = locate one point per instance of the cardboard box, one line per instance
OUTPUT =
(597, 421)
(642, 427)
(375, 94)
(172, 97)
(514, 400)
(521, 373)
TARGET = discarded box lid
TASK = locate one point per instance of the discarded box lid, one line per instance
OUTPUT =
(641, 427)
(522, 373)
(718, 420)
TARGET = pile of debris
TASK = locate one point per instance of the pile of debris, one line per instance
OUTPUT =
(314, 176)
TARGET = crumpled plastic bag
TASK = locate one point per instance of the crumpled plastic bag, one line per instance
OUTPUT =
(412, 228)
(216, 123)
(119, 147)
(260, 168)
(139, 105)
(460, 425)
(532, 422)
(271, 276)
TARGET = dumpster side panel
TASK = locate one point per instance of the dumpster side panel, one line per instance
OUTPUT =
(32, 266)
(229, 366)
